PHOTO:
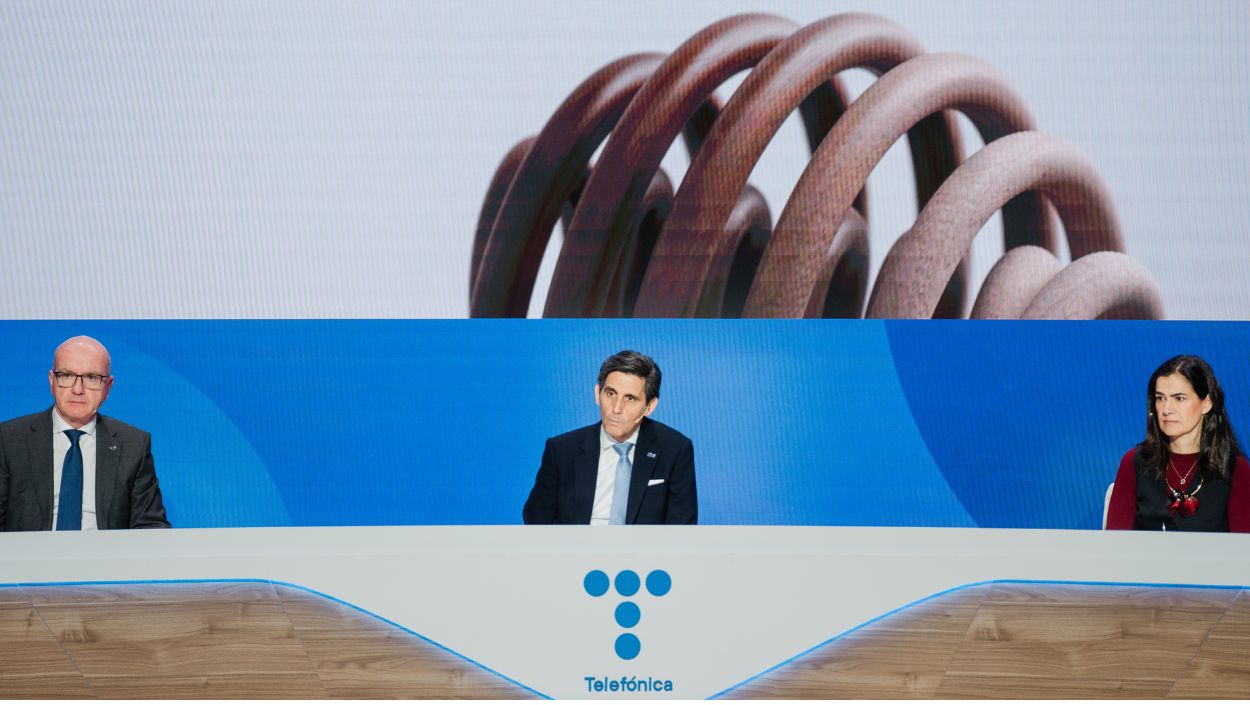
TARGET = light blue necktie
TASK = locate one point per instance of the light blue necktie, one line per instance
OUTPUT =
(69, 511)
(620, 493)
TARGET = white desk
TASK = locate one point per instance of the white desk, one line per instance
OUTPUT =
(743, 599)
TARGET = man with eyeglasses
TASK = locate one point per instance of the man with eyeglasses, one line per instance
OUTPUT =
(70, 468)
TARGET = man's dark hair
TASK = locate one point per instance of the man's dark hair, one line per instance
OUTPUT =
(634, 363)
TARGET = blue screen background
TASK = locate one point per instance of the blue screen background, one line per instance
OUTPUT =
(385, 422)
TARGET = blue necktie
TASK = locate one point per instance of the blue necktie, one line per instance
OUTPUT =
(620, 492)
(69, 512)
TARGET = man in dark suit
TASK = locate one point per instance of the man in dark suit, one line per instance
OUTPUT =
(627, 469)
(70, 468)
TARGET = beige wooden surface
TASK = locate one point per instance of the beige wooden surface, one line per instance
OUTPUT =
(1014, 640)
(259, 640)
(217, 640)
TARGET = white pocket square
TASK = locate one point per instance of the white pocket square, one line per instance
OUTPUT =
(656, 481)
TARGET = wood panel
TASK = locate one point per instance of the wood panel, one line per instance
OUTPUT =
(269, 686)
(1221, 669)
(256, 640)
(1071, 642)
(1104, 641)
(177, 639)
(1025, 640)
(969, 686)
(217, 640)
(49, 687)
(32, 663)
(12, 596)
(152, 594)
(359, 656)
(867, 664)
(1093, 595)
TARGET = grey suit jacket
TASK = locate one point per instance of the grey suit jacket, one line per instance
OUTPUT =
(127, 495)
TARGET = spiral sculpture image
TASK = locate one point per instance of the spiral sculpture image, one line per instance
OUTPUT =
(635, 244)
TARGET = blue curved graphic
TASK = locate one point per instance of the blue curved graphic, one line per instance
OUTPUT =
(801, 423)
(867, 423)
(227, 487)
(1028, 420)
(230, 487)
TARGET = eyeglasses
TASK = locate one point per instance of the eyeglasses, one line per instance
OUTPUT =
(90, 381)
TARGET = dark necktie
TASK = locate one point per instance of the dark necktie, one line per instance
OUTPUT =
(69, 506)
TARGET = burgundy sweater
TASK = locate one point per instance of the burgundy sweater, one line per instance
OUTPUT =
(1124, 497)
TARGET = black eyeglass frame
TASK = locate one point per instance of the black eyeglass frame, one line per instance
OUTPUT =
(66, 379)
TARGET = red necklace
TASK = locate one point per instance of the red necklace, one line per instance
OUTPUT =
(1183, 502)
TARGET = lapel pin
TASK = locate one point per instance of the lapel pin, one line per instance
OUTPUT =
(650, 454)
(112, 447)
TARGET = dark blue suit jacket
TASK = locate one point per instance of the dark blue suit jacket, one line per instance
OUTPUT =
(661, 487)
(127, 495)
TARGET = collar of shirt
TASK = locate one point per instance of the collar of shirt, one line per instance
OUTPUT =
(606, 441)
(60, 425)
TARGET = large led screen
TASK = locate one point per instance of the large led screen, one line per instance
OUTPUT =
(374, 159)
(877, 423)
(281, 216)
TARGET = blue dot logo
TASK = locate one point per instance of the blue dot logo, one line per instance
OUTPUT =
(627, 583)
(628, 646)
(628, 614)
(596, 583)
(659, 583)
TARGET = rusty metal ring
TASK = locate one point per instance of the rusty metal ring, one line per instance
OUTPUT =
(841, 286)
(745, 235)
(1099, 285)
(632, 247)
(1014, 281)
(545, 181)
(916, 267)
(495, 194)
(891, 106)
(655, 207)
(608, 210)
(679, 272)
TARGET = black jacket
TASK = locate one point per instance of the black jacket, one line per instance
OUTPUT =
(661, 487)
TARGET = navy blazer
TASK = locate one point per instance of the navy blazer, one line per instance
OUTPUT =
(661, 487)
(127, 495)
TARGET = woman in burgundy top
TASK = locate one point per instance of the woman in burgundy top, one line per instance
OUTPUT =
(1189, 474)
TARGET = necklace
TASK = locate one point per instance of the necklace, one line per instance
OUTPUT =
(1184, 503)
(1185, 477)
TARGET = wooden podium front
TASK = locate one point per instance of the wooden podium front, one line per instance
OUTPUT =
(502, 612)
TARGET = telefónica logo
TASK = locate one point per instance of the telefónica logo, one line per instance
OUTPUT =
(627, 613)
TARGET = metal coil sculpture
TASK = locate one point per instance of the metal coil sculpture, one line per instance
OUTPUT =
(634, 246)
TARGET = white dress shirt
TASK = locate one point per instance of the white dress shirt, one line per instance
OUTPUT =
(605, 482)
(60, 447)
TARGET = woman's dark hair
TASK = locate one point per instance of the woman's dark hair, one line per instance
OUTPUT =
(1217, 444)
